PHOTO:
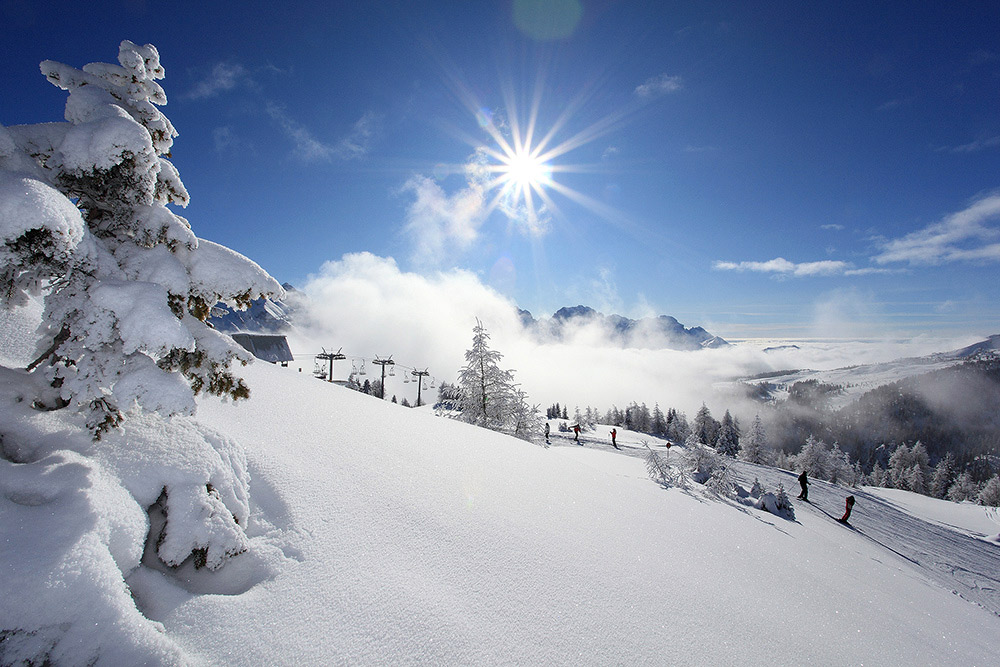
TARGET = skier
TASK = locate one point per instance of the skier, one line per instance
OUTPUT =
(804, 483)
(847, 509)
(614, 433)
(547, 433)
(576, 433)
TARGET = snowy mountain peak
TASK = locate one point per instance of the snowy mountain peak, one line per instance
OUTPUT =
(661, 332)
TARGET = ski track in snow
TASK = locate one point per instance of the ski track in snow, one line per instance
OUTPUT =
(967, 566)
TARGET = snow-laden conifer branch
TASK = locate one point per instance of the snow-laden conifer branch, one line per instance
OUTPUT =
(84, 220)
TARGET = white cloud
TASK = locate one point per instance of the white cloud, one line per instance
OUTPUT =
(354, 145)
(437, 222)
(659, 85)
(976, 145)
(358, 141)
(223, 138)
(960, 237)
(782, 266)
(610, 153)
(223, 77)
(366, 305)
(832, 228)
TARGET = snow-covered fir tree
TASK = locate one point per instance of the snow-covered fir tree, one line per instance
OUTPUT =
(901, 464)
(485, 387)
(784, 503)
(943, 476)
(657, 467)
(659, 423)
(752, 446)
(677, 426)
(728, 441)
(700, 460)
(990, 495)
(127, 284)
(705, 427)
(963, 488)
(488, 396)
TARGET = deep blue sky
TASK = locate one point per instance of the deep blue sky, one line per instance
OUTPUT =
(858, 142)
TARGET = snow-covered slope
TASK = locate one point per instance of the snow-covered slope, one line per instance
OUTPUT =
(411, 538)
(381, 535)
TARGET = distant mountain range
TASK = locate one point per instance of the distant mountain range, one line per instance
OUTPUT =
(263, 316)
(663, 332)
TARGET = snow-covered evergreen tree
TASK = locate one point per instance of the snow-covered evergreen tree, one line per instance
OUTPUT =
(657, 467)
(943, 476)
(901, 464)
(963, 488)
(728, 441)
(705, 427)
(914, 479)
(784, 504)
(814, 458)
(720, 482)
(842, 471)
(700, 460)
(488, 396)
(84, 219)
(752, 447)
(525, 421)
(877, 477)
(990, 495)
(659, 424)
(678, 428)
(485, 387)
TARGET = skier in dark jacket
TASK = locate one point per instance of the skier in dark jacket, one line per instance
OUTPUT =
(804, 483)
(546, 431)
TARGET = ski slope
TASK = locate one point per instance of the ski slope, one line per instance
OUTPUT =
(407, 538)
(385, 535)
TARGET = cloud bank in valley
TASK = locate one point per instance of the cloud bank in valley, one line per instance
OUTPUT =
(368, 306)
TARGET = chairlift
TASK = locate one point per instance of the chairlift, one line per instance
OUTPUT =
(425, 384)
(362, 371)
(433, 384)
(392, 371)
(406, 378)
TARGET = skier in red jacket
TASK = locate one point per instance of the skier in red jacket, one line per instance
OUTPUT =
(614, 433)
(847, 510)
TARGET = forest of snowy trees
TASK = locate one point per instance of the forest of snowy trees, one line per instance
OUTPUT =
(802, 434)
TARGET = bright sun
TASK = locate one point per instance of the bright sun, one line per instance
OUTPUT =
(523, 170)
